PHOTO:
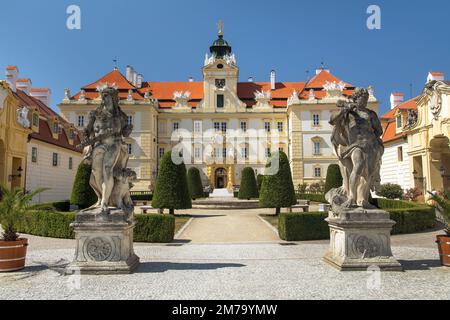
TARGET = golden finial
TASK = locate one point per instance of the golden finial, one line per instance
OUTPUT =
(220, 26)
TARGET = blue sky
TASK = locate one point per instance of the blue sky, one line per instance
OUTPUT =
(167, 40)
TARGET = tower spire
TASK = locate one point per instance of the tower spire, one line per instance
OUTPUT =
(220, 26)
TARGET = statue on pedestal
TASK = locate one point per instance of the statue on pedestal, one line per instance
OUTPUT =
(104, 232)
(360, 233)
(359, 148)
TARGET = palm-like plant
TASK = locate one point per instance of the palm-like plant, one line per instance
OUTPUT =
(13, 204)
(443, 203)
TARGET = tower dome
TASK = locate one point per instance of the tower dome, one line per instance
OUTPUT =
(220, 47)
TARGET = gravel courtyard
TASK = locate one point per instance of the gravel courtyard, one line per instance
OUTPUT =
(274, 269)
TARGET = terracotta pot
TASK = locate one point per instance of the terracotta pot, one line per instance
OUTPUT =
(444, 249)
(12, 255)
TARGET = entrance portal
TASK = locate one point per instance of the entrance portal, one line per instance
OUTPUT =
(221, 178)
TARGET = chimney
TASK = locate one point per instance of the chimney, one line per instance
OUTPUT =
(272, 79)
(191, 79)
(140, 80)
(24, 84)
(12, 72)
(129, 74)
(135, 77)
(250, 79)
(435, 76)
(396, 99)
(42, 94)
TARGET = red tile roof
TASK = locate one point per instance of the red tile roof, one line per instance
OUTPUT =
(45, 132)
(163, 91)
(391, 127)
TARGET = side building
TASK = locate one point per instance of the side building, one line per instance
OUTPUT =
(51, 155)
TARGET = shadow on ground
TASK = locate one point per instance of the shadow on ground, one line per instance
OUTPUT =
(413, 265)
(156, 267)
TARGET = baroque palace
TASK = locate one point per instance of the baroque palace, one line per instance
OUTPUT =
(293, 117)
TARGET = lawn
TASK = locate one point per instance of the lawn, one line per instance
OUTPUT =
(272, 219)
(180, 221)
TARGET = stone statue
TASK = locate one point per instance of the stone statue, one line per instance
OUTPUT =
(106, 151)
(22, 117)
(104, 232)
(357, 142)
(359, 232)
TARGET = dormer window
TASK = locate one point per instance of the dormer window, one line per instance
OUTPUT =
(56, 128)
(35, 119)
(399, 121)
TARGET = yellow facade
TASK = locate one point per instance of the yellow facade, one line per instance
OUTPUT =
(429, 139)
(13, 141)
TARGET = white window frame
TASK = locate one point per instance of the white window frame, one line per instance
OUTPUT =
(316, 120)
(244, 126)
(34, 154)
(81, 121)
(197, 126)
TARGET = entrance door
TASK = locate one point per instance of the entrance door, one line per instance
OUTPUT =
(221, 178)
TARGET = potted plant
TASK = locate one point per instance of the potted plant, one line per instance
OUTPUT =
(13, 249)
(443, 241)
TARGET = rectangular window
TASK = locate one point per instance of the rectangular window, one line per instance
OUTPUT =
(316, 148)
(198, 127)
(267, 126)
(399, 121)
(130, 148)
(317, 172)
(55, 159)
(216, 153)
(224, 152)
(224, 127)
(70, 163)
(197, 153)
(220, 101)
(34, 154)
(56, 128)
(316, 120)
(244, 126)
(217, 126)
(244, 152)
(176, 126)
(130, 120)
(80, 121)
(280, 127)
(161, 152)
(35, 119)
(400, 154)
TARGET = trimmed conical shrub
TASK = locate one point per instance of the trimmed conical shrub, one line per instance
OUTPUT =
(277, 191)
(83, 195)
(334, 178)
(195, 183)
(171, 190)
(248, 188)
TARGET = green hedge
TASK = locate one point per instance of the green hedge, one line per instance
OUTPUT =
(409, 218)
(312, 197)
(303, 226)
(61, 206)
(152, 228)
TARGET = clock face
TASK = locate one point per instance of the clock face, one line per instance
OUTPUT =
(220, 83)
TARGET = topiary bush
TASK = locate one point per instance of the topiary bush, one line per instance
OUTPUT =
(83, 195)
(248, 189)
(303, 226)
(61, 206)
(277, 191)
(320, 198)
(391, 191)
(334, 178)
(195, 185)
(154, 228)
(171, 190)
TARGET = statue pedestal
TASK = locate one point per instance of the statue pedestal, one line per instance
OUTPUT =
(104, 244)
(361, 239)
